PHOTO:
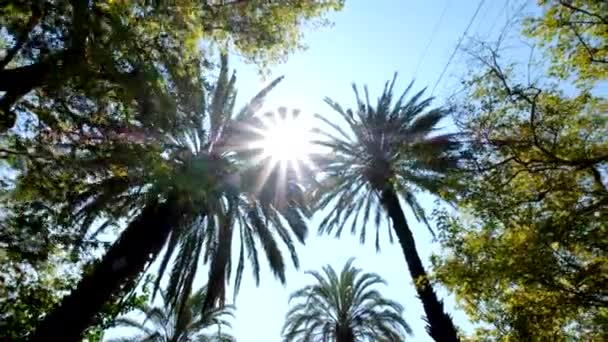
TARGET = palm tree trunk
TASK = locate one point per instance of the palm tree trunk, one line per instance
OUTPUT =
(440, 326)
(140, 242)
(344, 334)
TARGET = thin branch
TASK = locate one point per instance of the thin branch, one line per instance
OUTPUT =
(586, 46)
(229, 3)
(578, 9)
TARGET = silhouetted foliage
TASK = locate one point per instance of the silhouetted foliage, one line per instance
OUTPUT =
(189, 323)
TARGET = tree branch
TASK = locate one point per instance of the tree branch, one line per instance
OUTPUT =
(31, 23)
(518, 93)
(586, 46)
(578, 9)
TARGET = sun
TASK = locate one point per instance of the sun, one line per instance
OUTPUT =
(285, 138)
(283, 148)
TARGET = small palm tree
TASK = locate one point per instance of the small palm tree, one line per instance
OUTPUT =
(163, 324)
(344, 308)
(389, 154)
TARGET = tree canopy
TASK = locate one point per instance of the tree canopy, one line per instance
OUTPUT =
(526, 253)
(118, 121)
(574, 35)
(69, 44)
(386, 153)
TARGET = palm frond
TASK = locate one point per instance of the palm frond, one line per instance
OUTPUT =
(222, 95)
(255, 104)
(273, 254)
(183, 323)
(425, 123)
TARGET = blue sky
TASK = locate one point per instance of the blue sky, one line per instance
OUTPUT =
(369, 41)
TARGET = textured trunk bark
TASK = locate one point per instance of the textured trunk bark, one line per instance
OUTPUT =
(141, 241)
(440, 326)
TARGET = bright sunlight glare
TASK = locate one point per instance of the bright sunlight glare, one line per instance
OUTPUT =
(286, 138)
(286, 141)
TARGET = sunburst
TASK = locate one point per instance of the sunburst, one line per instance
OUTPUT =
(284, 144)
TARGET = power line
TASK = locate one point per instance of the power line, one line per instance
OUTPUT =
(484, 15)
(435, 29)
(497, 18)
(458, 45)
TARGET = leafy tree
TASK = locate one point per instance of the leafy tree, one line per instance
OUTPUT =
(32, 283)
(27, 292)
(527, 257)
(344, 308)
(164, 324)
(182, 176)
(574, 33)
(389, 153)
(72, 43)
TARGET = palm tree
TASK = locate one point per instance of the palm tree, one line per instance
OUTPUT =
(164, 324)
(344, 308)
(389, 154)
(182, 176)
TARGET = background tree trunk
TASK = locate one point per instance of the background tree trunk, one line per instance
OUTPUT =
(140, 242)
(440, 326)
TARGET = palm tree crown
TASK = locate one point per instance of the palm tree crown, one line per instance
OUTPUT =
(344, 308)
(390, 144)
(163, 324)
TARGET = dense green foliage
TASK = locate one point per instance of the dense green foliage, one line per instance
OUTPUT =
(61, 45)
(344, 307)
(527, 254)
(574, 34)
(190, 323)
(31, 288)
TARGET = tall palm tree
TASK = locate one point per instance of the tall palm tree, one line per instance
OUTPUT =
(164, 324)
(390, 153)
(181, 174)
(344, 308)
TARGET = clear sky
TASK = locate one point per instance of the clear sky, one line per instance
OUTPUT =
(368, 43)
